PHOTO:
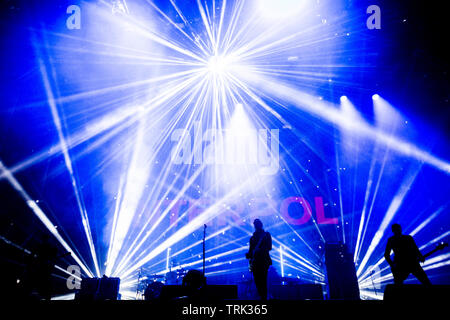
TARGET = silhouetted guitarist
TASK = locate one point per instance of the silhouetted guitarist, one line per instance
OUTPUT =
(406, 257)
(259, 258)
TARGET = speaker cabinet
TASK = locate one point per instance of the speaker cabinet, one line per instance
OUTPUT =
(98, 289)
(341, 273)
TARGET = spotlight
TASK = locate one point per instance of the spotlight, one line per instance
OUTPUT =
(218, 65)
(375, 96)
(344, 98)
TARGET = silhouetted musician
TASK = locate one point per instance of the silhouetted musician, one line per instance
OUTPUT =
(406, 257)
(259, 258)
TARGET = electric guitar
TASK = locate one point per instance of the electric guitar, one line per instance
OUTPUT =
(440, 246)
(252, 258)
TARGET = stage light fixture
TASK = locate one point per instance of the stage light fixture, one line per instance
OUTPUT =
(218, 65)
(376, 96)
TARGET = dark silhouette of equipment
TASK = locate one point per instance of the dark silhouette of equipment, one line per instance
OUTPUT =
(297, 292)
(153, 290)
(37, 281)
(194, 287)
(98, 289)
(194, 281)
(341, 273)
(416, 292)
(207, 293)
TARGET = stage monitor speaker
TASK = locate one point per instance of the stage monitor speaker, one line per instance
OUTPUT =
(297, 292)
(416, 292)
(341, 272)
(109, 288)
(209, 292)
(171, 292)
(221, 292)
(97, 289)
(88, 290)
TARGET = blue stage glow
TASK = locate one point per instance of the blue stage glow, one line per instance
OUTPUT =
(158, 117)
(280, 9)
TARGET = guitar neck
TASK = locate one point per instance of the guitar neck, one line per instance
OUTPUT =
(430, 253)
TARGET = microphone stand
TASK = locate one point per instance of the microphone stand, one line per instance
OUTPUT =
(138, 283)
(373, 284)
(204, 235)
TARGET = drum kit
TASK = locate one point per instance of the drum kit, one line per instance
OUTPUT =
(150, 286)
